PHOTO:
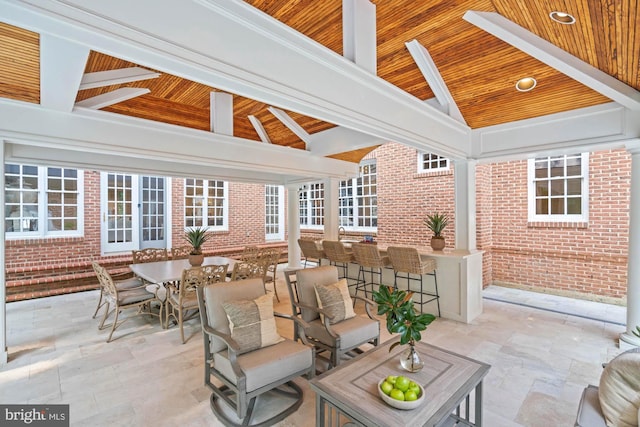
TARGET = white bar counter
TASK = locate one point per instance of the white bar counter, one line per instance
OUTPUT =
(459, 281)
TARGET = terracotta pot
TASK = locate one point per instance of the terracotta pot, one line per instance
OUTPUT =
(437, 243)
(196, 260)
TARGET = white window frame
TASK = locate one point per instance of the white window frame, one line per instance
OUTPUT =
(305, 205)
(278, 215)
(43, 220)
(205, 218)
(551, 218)
(421, 162)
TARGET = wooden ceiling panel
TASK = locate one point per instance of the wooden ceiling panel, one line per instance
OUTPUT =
(19, 64)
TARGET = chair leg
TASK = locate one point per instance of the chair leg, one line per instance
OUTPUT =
(181, 322)
(99, 305)
(115, 324)
(104, 317)
(435, 281)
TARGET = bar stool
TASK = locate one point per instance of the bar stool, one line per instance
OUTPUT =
(370, 261)
(310, 250)
(338, 255)
(408, 261)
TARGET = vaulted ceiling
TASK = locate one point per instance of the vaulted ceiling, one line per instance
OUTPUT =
(476, 64)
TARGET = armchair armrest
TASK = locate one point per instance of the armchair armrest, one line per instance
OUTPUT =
(299, 321)
(316, 309)
(368, 304)
(230, 342)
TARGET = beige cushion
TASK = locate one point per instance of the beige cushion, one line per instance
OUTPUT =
(619, 390)
(251, 323)
(334, 298)
(352, 332)
(307, 279)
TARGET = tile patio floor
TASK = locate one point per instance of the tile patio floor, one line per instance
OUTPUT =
(541, 360)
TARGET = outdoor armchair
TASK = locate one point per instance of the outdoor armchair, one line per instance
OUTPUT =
(330, 327)
(249, 364)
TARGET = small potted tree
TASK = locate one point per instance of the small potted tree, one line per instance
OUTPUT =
(403, 318)
(196, 236)
(437, 222)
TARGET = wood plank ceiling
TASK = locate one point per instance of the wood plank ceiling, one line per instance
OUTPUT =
(479, 69)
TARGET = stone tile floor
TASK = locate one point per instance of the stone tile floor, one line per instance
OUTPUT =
(541, 360)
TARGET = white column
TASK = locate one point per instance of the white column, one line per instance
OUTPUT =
(465, 204)
(293, 226)
(331, 220)
(633, 266)
(359, 33)
(4, 354)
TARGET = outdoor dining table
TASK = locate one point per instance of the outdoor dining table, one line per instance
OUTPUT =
(171, 270)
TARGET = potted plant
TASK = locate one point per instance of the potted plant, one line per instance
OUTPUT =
(402, 318)
(196, 236)
(437, 222)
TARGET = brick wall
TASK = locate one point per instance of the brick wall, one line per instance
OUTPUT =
(568, 259)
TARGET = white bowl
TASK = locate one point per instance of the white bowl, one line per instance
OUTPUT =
(400, 404)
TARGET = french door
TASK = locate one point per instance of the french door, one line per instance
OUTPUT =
(133, 212)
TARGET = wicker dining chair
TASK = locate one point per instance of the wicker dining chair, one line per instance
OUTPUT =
(181, 252)
(138, 298)
(370, 261)
(407, 264)
(338, 255)
(311, 251)
(182, 302)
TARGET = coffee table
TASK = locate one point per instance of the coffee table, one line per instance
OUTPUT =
(449, 381)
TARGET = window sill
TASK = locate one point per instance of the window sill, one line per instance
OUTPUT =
(427, 174)
(568, 224)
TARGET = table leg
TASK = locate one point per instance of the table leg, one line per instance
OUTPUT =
(478, 418)
(320, 416)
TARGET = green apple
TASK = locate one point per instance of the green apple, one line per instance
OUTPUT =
(402, 383)
(414, 387)
(410, 395)
(396, 394)
(391, 379)
(386, 387)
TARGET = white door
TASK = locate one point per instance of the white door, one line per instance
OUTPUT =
(152, 212)
(119, 212)
(274, 212)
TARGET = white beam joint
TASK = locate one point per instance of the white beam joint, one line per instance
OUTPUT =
(262, 133)
(62, 65)
(555, 57)
(292, 125)
(116, 77)
(432, 75)
(111, 98)
(359, 33)
(222, 113)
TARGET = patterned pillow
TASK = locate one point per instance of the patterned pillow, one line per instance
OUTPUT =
(335, 300)
(252, 323)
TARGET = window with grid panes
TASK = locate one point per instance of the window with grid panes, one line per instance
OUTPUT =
(205, 204)
(558, 188)
(429, 162)
(357, 201)
(274, 212)
(43, 201)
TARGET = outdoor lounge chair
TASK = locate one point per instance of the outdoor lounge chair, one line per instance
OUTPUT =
(249, 364)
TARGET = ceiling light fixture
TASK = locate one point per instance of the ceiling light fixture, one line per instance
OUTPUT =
(526, 84)
(562, 18)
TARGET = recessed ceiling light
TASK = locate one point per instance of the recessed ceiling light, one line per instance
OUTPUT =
(526, 84)
(562, 18)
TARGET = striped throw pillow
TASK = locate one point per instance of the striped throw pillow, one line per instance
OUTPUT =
(252, 323)
(335, 300)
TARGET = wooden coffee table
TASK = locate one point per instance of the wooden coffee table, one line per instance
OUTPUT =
(449, 380)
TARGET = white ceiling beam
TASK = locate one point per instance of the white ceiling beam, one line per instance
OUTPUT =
(257, 125)
(94, 131)
(119, 95)
(221, 113)
(236, 48)
(434, 79)
(334, 141)
(359, 34)
(62, 64)
(292, 125)
(115, 77)
(555, 57)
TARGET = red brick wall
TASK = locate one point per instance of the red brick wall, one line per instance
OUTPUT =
(583, 258)
(484, 221)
